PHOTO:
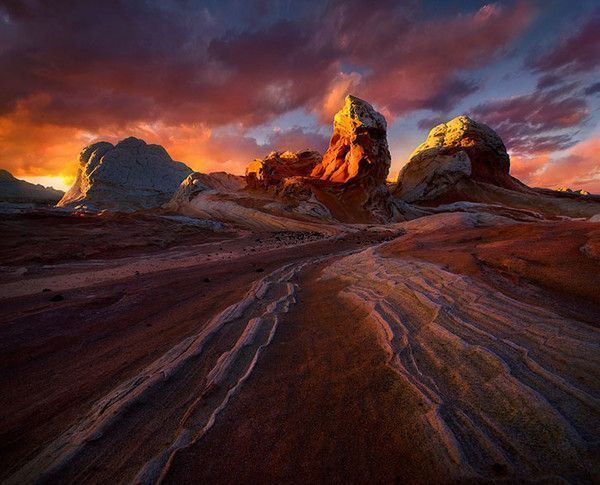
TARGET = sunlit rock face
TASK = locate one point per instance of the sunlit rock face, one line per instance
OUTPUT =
(358, 149)
(286, 176)
(457, 150)
(358, 152)
(131, 175)
(571, 191)
(348, 182)
(271, 171)
(358, 160)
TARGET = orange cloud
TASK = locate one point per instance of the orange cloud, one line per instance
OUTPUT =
(578, 168)
(181, 79)
(31, 149)
(34, 148)
(525, 167)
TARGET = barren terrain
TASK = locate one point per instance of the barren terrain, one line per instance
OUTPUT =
(456, 347)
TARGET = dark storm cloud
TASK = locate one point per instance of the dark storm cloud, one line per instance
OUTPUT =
(579, 52)
(532, 123)
(113, 62)
(549, 81)
(103, 61)
(592, 89)
(454, 91)
(428, 123)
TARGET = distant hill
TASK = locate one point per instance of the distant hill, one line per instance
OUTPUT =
(14, 190)
(129, 176)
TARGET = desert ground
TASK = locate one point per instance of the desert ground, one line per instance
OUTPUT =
(459, 347)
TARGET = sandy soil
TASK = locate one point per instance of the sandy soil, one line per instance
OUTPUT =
(50, 237)
(455, 348)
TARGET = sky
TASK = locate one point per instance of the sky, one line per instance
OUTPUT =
(219, 83)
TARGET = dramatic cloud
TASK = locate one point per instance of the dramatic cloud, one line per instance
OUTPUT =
(525, 167)
(551, 119)
(575, 53)
(578, 169)
(534, 123)
(428, 123)
(420, 68)
(54, 149)
(592, 89)
(549, 81)
(534, 126)
(86, 65)
(296, 139)
(198, 77)
(40, 148)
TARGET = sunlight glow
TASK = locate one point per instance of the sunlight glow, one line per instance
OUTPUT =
(58, 182)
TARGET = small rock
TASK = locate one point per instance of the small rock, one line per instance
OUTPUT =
(57, 298)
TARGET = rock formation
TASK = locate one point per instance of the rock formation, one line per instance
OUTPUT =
(268, 172)
(358, 161)
(571, 191)
(348, 183)
(218, 197)
(197, 182)
(466, 161)
(358, 149)
(129, 176)
(14, 190)
(461, 149)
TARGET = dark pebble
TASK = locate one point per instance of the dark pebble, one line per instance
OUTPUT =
(57, 298)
